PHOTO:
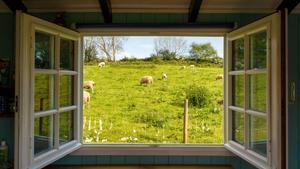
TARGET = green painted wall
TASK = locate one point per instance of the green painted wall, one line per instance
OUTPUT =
(7, 51)
(293, 75)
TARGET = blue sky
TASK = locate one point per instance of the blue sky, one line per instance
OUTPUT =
(143, 46)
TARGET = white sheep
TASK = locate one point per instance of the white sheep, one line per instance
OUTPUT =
(89, 85)
(146, 80)
(86, 98)
(192, 66)
(219, 77)
(164, 76)
(101, 64)
(183, 67)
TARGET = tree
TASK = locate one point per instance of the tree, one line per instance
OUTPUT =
(90, 50)
(108, 46)
(202, 51)
(165, 54)
(176, 45)
(90, 53)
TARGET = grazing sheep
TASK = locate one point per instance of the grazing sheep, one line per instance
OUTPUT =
(101, 64)
(146, 80)
(89, 85)
(164, 76)
(219, 77)
(192, 66)
(86, 98)
(183, 67)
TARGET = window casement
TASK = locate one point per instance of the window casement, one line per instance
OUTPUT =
(48, 79)
(252, 91)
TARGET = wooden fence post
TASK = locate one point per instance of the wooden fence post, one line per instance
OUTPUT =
(185, 125)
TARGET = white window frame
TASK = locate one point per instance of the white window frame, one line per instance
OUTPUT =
(271, 25)
(154, 149)
(25, 37)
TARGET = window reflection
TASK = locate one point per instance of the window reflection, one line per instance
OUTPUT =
(44, 51)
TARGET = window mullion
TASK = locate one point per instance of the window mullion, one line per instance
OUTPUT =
(269, 97)
(229, 92)
(246, 85)
(237, 72)
(32, 72)
(57, 87)
(77, 90)
(45, 113)
(238, 109)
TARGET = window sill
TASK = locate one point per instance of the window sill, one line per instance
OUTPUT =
(154, 149)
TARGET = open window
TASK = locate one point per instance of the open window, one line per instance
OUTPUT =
(48, 71)
(49, 86)
(253, 91)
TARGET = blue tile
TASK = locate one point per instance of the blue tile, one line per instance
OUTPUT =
(89, 160)
(189, 160)
(162, 160)
(204, 160)
(175, 160)
(219, 160)
(117, 159)
(147, 160)
(132, 160)
(103, 160)
(234, 161)
(70, 160)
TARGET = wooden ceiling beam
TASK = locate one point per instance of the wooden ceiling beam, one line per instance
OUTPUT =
(14, 5)
(288, 4)
(194, 10)
(106, 10)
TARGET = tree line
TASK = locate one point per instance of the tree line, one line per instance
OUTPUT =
(165, 48)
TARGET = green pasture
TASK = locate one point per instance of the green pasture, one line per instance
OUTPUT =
(123, 111)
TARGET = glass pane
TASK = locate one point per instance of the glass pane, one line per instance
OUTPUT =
(238, 54)
(43, 92)
(67, 54)
(258, 92)
(238, 127)
(258, 50)
(44, 51)
(66, 127)
(43, 134)
(66, 91)
(258, 134)
(238, 90)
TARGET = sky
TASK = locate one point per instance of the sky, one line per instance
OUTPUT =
(143, 46)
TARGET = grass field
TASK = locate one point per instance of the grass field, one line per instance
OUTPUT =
(123, 111)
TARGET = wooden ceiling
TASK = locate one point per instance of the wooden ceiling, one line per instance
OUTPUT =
(161, 6)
